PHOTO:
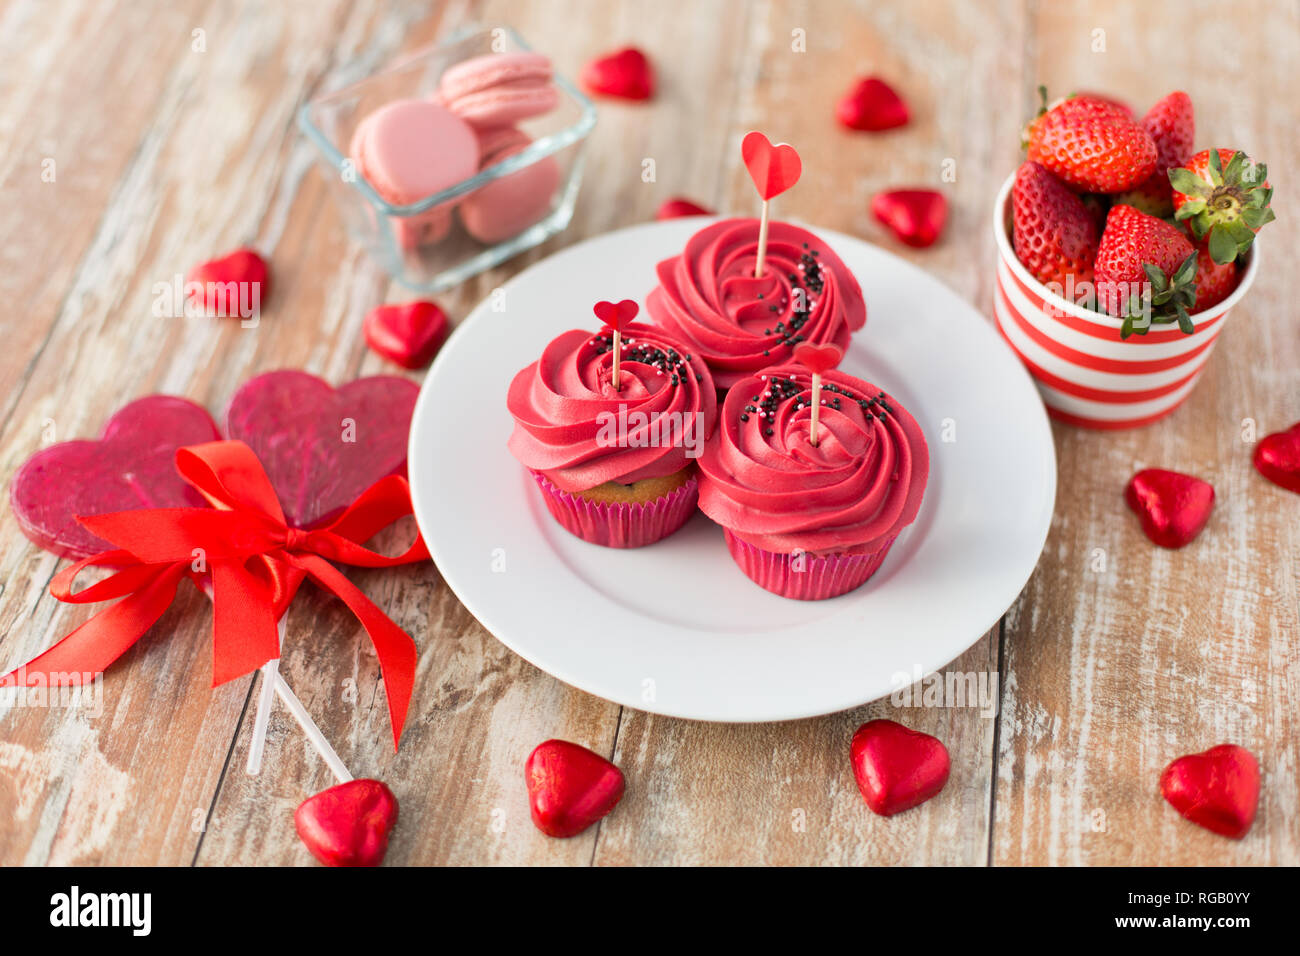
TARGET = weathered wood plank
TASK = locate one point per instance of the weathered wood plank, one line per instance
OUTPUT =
(204, 147)
(1113, 673)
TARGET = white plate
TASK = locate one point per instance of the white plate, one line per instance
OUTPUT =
(675, 628)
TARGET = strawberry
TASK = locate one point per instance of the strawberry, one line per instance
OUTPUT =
(1092, 144)
(1225, 195)
(1171, 125)
(1098, 205)
(1214, 281)
(1144, 271)
(1106, 98)
(1053, 232)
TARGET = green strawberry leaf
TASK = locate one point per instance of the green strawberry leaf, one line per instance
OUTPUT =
(1188, 183)
(1156, 277)
(1223, 248)
(1186, 272)
(1254, 217)
(1216, 168)
(1126, 329)
(1233, 173)
(1185, 321)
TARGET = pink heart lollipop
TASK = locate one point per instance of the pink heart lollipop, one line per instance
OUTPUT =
(130, 466)
(322, 446)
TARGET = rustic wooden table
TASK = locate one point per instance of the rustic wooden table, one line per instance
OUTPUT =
(1117, 657)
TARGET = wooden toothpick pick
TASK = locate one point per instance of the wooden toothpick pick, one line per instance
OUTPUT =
(816, 407)
(762, 241)
(618, 347)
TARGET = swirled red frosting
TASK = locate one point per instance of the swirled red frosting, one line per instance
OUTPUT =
(763, 479)
(567, 411)
(709, 299)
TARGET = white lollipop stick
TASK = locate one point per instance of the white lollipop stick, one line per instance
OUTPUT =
(272, 679)
(299, 713)
(270, 671)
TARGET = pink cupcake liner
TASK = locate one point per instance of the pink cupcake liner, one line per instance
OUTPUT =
(821, 577)
(620, 525)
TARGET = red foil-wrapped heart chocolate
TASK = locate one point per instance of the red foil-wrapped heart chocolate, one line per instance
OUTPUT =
(916, 216)
(323, 446)
(678, 207)
(408, 333)
(348, 824)
(1173, 507)
(871, 104)
(238, 281)
(1217, 789)
(897, 768)
(570, 787)
(624, 74)
(1277, 458)
(130, 466)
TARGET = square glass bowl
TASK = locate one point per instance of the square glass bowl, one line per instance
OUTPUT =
(330, 120)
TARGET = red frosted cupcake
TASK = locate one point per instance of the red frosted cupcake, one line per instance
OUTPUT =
(615, 466)
(709, 299)
(812, 521)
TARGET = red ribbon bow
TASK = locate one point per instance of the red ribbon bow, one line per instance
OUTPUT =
(256, 562)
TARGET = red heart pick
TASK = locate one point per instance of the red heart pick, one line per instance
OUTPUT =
(570, 787)
(1173, 507)
(678, 207)
(130, 466)
(1277, 458)
(243, 267)
(774, 169)
(916, 216)
(321, 446)
(1217, 789)
(348, 825)
(616, 314)
(409, 333)
(871, 105)
(817, 358)
(897, 768)
(626, 74)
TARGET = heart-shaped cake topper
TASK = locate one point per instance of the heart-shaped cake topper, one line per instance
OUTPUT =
(818, 358)
(132, 465)
(616, 314)
(774, 169)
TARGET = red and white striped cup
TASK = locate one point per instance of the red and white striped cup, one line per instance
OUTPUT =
(1085, 372)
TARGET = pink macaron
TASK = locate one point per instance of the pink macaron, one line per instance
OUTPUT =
(507, 206)
(411, 149)
(499, 89)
